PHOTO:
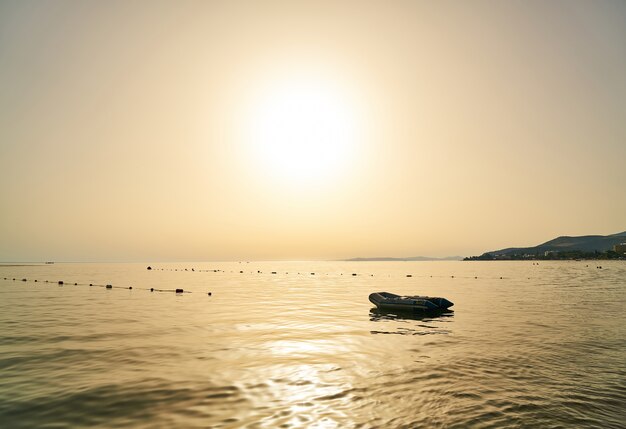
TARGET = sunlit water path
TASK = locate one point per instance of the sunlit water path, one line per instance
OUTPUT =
(526, 346)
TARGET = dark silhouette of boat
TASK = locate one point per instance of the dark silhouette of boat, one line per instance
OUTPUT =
(391, 301)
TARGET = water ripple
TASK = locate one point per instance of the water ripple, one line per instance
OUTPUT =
(543, 346)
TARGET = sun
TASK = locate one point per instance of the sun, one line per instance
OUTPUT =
(303, 131)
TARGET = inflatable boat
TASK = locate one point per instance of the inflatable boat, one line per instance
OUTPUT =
(391, 301)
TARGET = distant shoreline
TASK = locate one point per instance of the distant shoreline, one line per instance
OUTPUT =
(556, 256)
(409, 259)
(23, 264)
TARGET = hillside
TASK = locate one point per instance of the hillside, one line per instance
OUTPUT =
(565, 244)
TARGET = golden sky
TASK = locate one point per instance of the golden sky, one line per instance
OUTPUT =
(218, 130)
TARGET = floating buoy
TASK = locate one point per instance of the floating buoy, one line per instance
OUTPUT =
(90, 284)
(130, 287)
(35, 281)
(149, 267)
(209, 293)
(151, 289)
(179, 291)
(75, 284)
(109, 286)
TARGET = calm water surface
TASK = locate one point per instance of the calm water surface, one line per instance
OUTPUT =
(543, 346)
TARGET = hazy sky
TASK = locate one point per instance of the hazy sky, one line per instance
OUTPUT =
(211, 130)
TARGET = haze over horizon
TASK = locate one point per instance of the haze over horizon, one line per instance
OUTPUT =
(236, 130)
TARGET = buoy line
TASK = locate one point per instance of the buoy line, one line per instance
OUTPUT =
(106, 286)
(351, 274)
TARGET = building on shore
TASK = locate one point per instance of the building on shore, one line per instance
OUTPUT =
(620, 248)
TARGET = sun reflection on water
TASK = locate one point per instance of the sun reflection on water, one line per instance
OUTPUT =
(309, 396)
(306, 348)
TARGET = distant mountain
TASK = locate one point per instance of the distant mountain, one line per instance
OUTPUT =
(412, 258)
(585, 243)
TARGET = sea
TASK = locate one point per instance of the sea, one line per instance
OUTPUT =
(298, 345)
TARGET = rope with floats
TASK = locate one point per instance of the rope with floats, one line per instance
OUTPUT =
(352, 274)
(271, 273)
(177, 291)
(313, 273)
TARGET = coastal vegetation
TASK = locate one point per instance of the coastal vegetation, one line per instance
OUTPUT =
(548, 256)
